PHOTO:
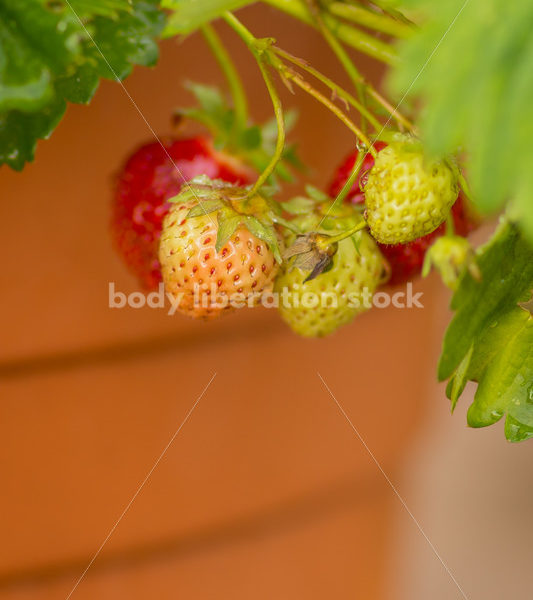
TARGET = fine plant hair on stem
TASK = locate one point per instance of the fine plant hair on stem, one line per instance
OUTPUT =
(347, 33)
(260, 55)
(337, 89)
(235, 84)
(337, 48)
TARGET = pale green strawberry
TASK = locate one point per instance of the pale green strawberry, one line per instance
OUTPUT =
(452, 256)
(320, 306)
(407, 195)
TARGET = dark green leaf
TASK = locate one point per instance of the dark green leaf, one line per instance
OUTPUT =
(128, 40)
(490, 339)
(189, 15)
(48, 56)
(19, 133)
(79, 87)
(251, 138)
(471, 64)
(104, 8)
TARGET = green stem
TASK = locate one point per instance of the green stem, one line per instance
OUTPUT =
(347, 33)
(259, 53)
(371, 20)
(340, 53)
(345, 234)
(337, 89)
(240, 102)
(393, 112)
(371, 91)
(280, 121)
(450, 225)
(307, 87)
(346, 188)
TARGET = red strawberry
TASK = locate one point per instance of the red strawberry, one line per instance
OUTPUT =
(405, 260)
(152, 175)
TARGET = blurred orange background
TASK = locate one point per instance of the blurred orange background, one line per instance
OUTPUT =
(266, 492)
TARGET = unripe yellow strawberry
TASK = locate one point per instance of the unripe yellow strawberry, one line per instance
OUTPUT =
(407, 195)
(208, 253)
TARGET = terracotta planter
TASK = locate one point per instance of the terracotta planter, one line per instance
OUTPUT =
(267, 492)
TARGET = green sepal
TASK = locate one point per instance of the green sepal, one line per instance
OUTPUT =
(355, 239)
(299, 205)
(273, 205)
(316, 195)
(290, 225)
(233, 207)
(265, 233)
(228, 221)
(205, 207)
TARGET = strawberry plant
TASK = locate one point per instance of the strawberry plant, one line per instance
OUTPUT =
(444, 145)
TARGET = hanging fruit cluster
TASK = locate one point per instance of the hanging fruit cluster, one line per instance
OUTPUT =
(208, 224)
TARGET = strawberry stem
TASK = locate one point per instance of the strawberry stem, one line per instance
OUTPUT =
(450, 225)
(335, 88)
(402, 121)
(350, 35)
(260, 50)
(267, 56)
(346, 188)
(341, 54)
(240, 102)
(296, 78)
(372, 20)
(334, 239)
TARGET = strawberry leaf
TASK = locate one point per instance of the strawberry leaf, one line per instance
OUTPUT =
(104, 8)
(483, 104)
(490, 339)
(49, 58)
(255, 143)
(187, 16)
